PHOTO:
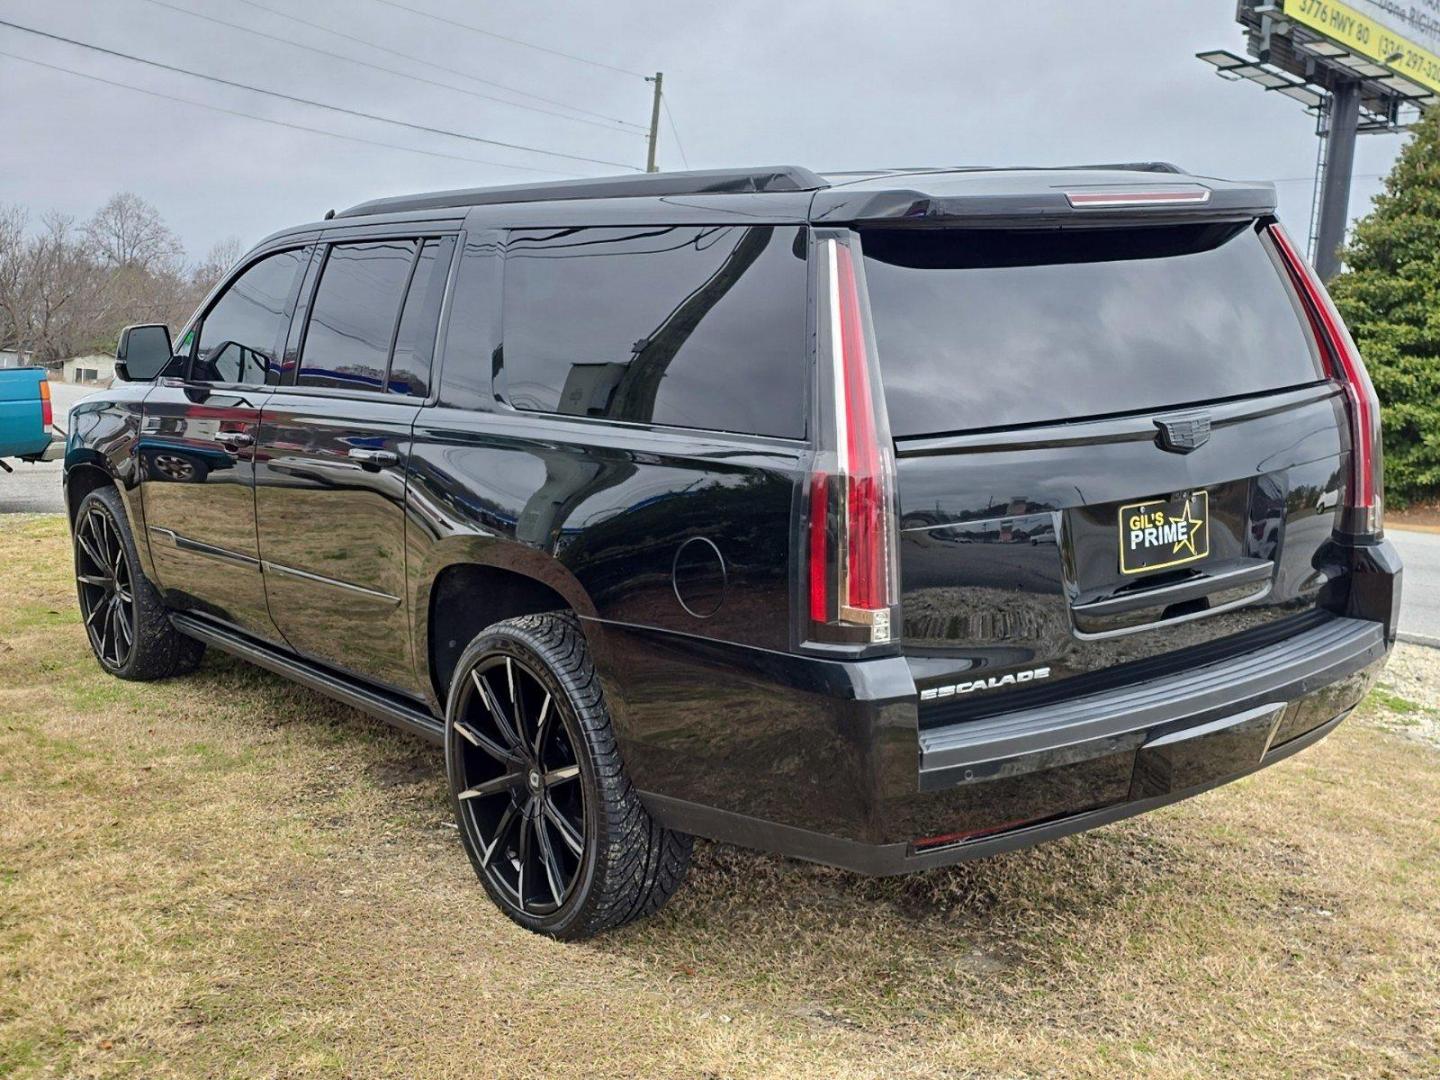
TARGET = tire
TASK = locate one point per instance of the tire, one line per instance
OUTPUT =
(129, 630)
(548, 817)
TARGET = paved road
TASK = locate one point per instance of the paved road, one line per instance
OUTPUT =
(1420, 609)
(35, 489)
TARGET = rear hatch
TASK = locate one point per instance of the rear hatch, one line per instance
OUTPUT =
(1117, 448)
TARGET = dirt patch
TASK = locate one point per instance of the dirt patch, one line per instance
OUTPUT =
(1407, 699)
(1424, 516)
(405, 773)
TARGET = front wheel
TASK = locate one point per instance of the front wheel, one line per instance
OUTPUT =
(551, 823)
(129, 630)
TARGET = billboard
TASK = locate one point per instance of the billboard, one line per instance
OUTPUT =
(1403, 35)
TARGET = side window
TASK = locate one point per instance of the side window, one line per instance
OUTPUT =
(472, 329)
(699, 327)
(415, 340)
(352, 319)
(242, 333)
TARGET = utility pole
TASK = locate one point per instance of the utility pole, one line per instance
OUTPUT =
(1335, 184)
(654, 121)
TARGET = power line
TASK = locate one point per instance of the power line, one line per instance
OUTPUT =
(606, 125)
(665, 103)
(430, 62)
(314, 104)
(271, 120)
(511, 40)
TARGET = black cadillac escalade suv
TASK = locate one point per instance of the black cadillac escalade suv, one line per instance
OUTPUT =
(883, 520)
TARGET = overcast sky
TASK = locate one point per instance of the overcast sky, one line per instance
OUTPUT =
(830, 85)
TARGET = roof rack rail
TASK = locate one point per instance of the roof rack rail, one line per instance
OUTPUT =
(1125, 166)
(777, 178)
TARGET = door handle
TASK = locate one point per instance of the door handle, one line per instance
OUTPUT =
(376, 458)
(234, 440)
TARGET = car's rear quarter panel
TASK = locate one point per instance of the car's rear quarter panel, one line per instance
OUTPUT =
(600, 512)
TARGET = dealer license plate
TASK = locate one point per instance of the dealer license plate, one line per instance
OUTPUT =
(1164, 532)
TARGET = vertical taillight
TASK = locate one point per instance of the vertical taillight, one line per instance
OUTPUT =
(1366, 505)
(851, 527)
(819, 547)
(47, 411)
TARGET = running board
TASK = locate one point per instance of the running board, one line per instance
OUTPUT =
(356, 694)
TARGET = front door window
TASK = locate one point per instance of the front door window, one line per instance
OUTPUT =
(242, 333)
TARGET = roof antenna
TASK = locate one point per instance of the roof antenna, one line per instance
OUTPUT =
(329, 213)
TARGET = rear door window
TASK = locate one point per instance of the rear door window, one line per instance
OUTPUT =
(996, 328)
(354, 313)
(700, 327)
(472, 329)
(415, 339)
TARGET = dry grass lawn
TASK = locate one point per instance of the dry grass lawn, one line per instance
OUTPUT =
(229, 876)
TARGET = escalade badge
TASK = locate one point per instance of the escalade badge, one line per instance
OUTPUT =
(1182, 434)
(994, 682)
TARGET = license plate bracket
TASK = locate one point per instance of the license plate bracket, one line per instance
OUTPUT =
(1160, 533)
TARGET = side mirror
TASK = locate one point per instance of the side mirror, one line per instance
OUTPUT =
(143, 352)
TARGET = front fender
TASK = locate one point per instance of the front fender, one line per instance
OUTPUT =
(101, 439)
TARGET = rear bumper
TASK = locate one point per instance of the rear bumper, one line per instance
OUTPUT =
(1219, 719)
(902, 858)
(840, 772)
(54, 450)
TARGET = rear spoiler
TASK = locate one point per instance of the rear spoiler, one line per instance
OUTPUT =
(1039, 200)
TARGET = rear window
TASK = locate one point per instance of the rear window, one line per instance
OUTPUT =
(700, 327)
(995, 328)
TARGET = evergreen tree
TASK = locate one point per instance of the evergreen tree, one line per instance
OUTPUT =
(1390, 297)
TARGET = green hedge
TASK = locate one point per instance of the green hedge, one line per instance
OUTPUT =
(1389, 294)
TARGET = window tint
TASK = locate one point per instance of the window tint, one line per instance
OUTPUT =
(994, 328)
(242, 333)
(352, 319)
(415, 341)
(472, 328)
(695, 327)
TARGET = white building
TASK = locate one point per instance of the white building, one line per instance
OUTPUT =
(88, 369)
(14, 359)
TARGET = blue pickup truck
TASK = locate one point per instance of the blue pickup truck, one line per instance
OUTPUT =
(27, 417)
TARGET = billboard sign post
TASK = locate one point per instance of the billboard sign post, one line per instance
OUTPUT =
(1358, 66)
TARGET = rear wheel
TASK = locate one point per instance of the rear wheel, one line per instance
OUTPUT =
(550, 821)
(129, 630)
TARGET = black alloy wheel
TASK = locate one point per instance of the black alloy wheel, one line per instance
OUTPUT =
(105, 581)
(552, 825)
(519, 785)
(129, 628)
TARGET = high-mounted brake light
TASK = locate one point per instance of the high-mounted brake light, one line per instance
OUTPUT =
(851, 549)
(1366, 500)
(1191, 196)
(47, 411)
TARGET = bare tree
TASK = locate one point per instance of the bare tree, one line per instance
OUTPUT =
(14, 311)
(69, 297)
(127, 233)
(222, 255)
(65, 290)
